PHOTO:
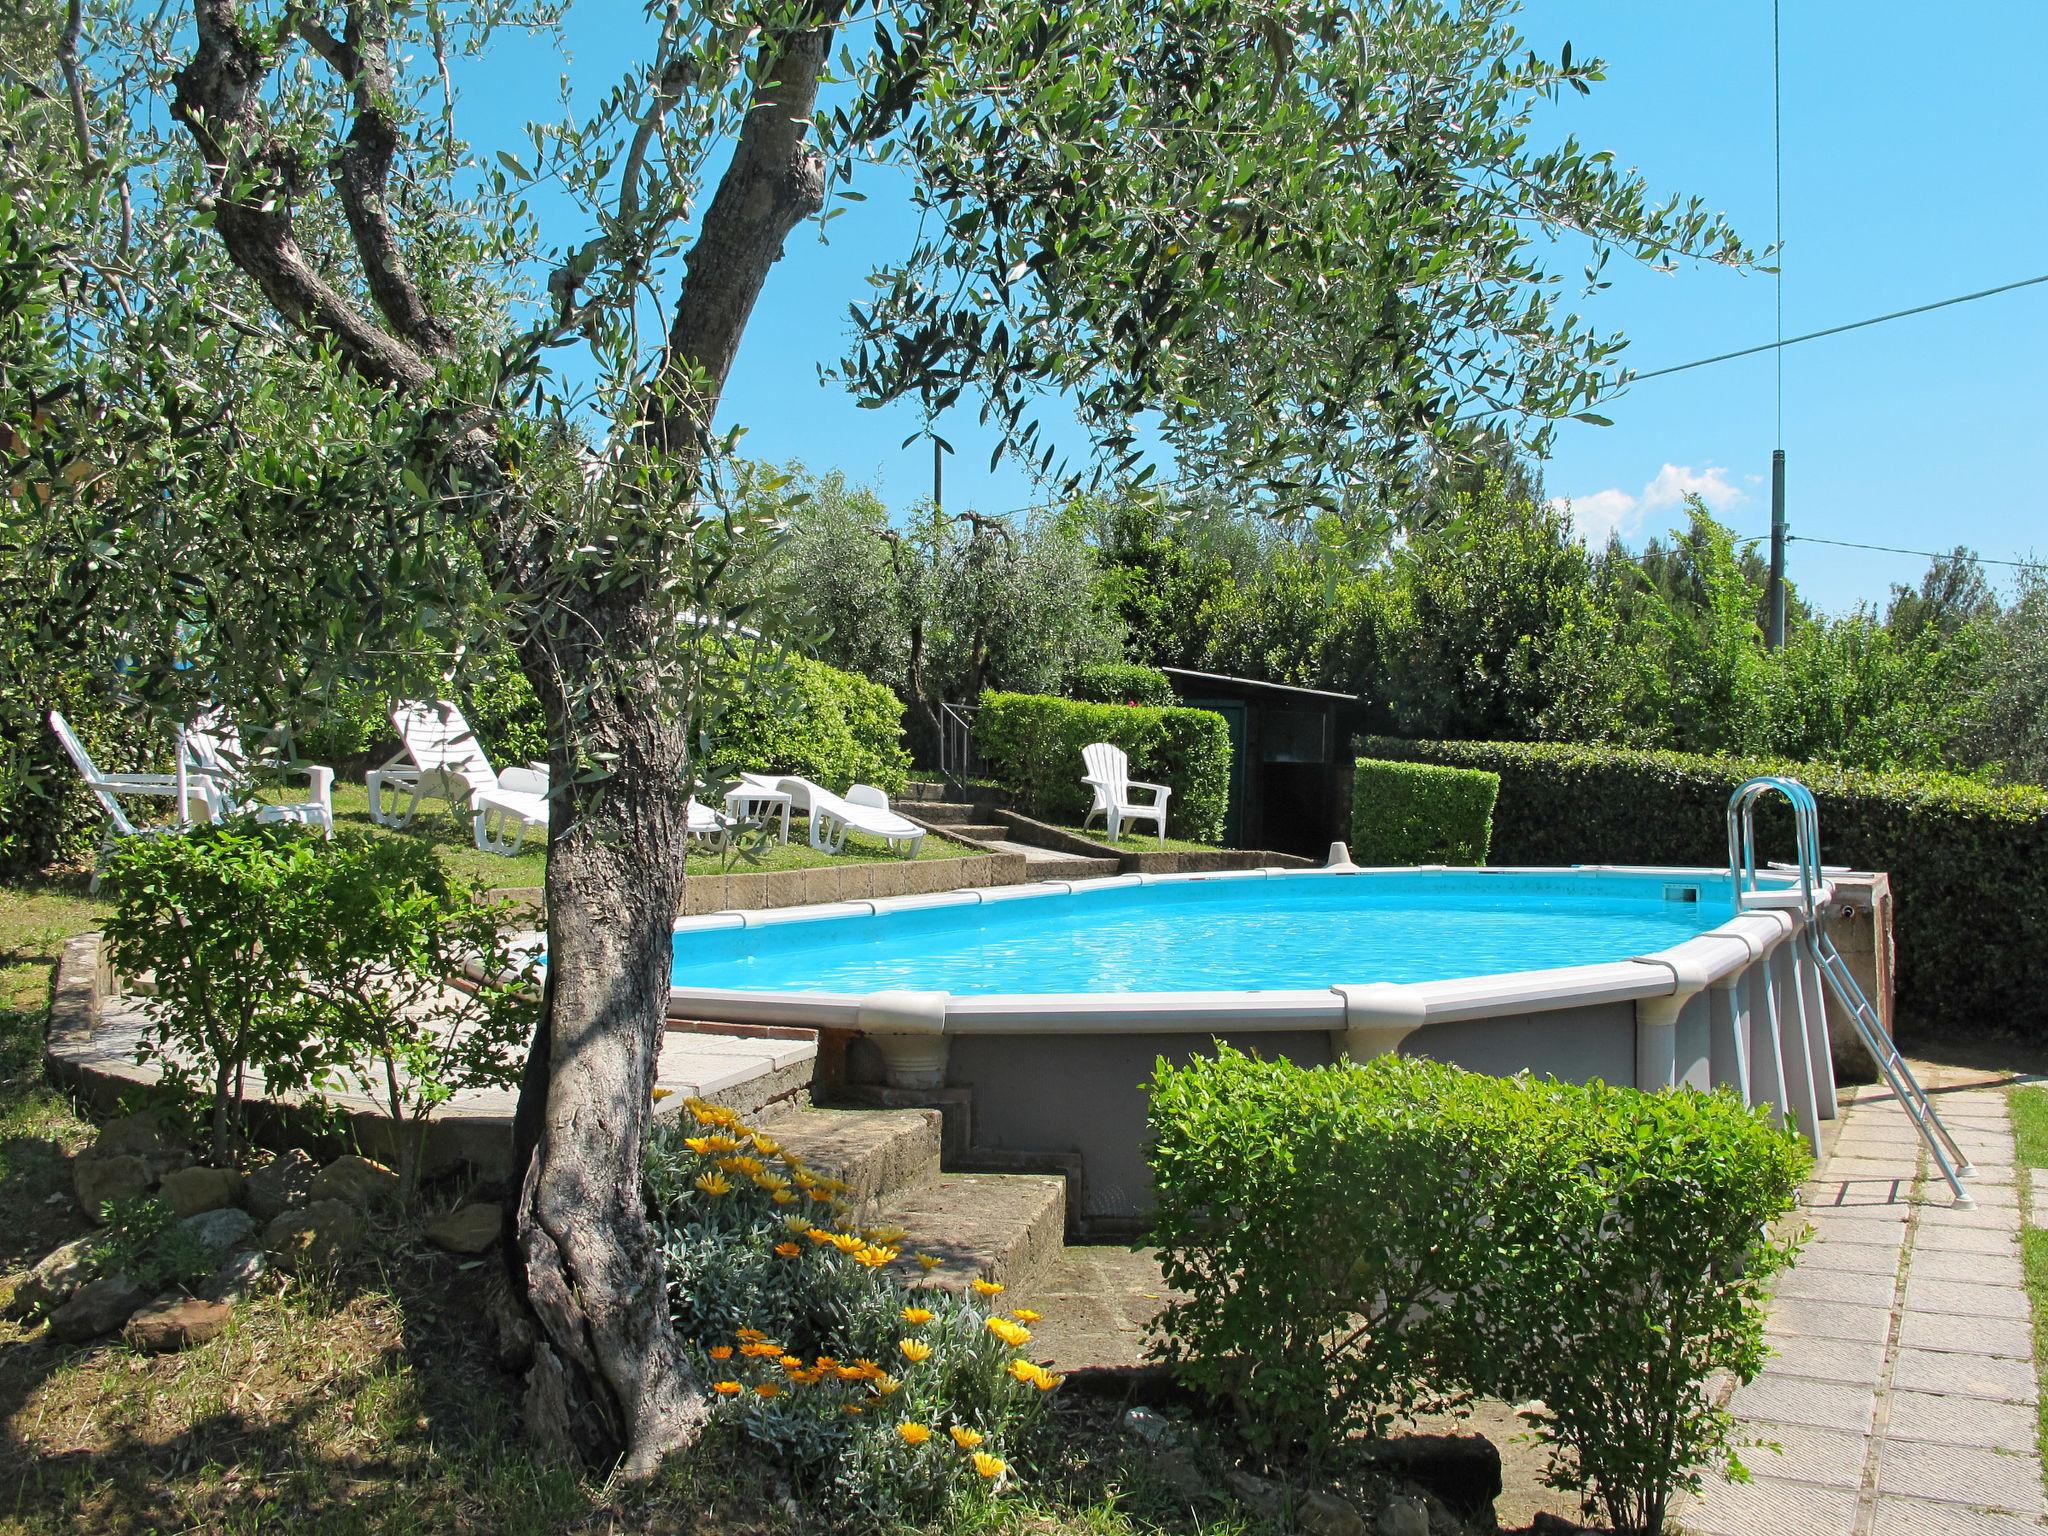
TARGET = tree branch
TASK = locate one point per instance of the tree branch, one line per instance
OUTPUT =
(775, 181)
(218, 97)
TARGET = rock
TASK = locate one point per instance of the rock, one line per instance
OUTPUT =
(1177, 1468)
(98, 1307)
(237, 1277)
(1462, 1470)
(1403, 1517)
(143, 1135)
(357, 1181)
(1152, 1427)
(1547, 1524)
(190, 1191)
(467, 1228)
(280, 1184)
(1254, 1491)
(1325, 1514)
(314, 1236)
(222, 1231)
(163, 1326)
(98, 1180)
(50, 1284)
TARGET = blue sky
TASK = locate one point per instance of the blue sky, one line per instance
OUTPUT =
(1912, 171)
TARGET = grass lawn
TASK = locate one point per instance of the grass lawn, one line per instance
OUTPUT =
(1140, 839)
(454, 839)
(2030, 1130)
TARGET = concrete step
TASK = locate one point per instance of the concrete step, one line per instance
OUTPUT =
(943, 813)
(988, 832)
(1008, 1227)
(1050, 864)
(876, 1153)
(925, 789)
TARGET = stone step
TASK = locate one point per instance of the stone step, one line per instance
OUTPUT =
(944, 813)
(876, 1153)
(988, 832)
(1051, 864)
(1009, 1227)
(925, 789)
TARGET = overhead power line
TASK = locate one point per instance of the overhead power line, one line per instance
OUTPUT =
(1836, 330)
(1929, 554)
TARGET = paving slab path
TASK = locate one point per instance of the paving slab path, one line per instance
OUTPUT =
(1902, 1392)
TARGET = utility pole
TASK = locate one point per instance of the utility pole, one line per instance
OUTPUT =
(938, 477)
(1774, 634)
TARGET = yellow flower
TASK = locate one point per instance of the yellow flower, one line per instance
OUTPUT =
(774, 1183)
(768, 1389)
(874, 1258)
(1025, 1315)
(726, 1388)
(854, 1408)
(697, 1144)
(713, 1184)
(783, 1197)
(914, 1434)
(930, 1261)
(818, 1234)
(721, 1143)
(866, 1367)
(762, 1349)
(1044, 1380)
(721, 1351)
(1016, 1335)
(845, 1242)
(740, 1164)
(916, 1351)
(764, 1145)
(790, 1363)
(917, 1317)
(1030, 1374)
(819, 1195)
(788, 1250)
(989, 1466)
(885, 1385)
(967, 1439)
(983, 1287)
(749, 1335)
(1021, 1369)
(826, 1362)
(888, 1237)
(713, 1114)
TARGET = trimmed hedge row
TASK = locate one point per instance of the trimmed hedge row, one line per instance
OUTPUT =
(1968, 862)
(1419, 813)
(817, 721)
(1031, 744)
(1119, 682)
(1352, 1243)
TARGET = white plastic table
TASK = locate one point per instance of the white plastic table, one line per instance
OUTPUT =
(744, 802)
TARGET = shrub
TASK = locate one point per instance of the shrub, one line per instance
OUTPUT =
(1968, 862)
(1417, 813)
(869, 1396)
(1117, 682)
(794, 715)
(389, 929)
(1031, 744)
(216, 914)
(46, 812)
(1354, 1242)
(143, 1239)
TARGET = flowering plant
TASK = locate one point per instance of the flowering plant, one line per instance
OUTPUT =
(825, 1342)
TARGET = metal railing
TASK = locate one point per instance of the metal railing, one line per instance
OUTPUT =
(1818, 950)
(956, 743)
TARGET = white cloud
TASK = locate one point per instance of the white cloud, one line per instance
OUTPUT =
(1615, 511)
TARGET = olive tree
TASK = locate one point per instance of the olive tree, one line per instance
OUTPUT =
(1308, 241)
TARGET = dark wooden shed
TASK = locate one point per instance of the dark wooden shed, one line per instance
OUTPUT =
(1290, 759)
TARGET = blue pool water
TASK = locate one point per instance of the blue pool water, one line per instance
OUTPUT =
(1282, 932)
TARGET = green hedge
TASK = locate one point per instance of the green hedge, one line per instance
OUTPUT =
(810, 719)
(1349, 1244)
(1118, 682)
(1968, 862)
(1418, 813)
(1031, 744)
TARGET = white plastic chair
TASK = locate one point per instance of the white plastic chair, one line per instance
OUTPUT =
(441, 759)
(109, 788)
(863, 808)
(218, 764)
(1109, 776)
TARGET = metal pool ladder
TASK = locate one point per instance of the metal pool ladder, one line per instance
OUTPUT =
(1821, 952)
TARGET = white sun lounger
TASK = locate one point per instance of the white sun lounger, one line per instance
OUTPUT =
(110, 788)
(1109, 775)
(441, 759)
(863, 808)
(218, 765)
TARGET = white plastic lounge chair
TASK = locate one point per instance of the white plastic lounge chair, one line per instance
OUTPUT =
(441, 759)
(1109, 775)
(863, 808)
(707, 825)
(109, 788)
(218, 764)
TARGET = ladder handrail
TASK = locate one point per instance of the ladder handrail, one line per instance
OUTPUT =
(1834, 970)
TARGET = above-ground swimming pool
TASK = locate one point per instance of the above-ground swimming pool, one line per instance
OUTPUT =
(1203, 934)
(1034, 1013)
